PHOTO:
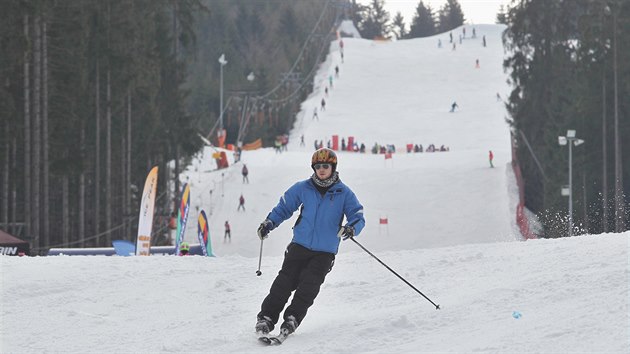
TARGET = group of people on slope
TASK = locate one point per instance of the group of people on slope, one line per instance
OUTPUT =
(280, 143)
(383, 149)
(430, 148)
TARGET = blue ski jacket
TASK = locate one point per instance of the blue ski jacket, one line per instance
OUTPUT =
(320, 217)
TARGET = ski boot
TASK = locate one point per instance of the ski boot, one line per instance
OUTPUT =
(264, 325)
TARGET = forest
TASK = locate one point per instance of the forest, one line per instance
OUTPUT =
(95, 93)
(569, 66)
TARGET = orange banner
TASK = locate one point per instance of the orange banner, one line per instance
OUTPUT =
(253, 145)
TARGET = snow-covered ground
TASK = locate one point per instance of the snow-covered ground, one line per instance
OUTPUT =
(450, 234)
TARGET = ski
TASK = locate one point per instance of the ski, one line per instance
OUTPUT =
(263, 337)
(275, 340)
(264, 340)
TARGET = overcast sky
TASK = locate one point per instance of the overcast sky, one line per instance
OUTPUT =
(475, 11)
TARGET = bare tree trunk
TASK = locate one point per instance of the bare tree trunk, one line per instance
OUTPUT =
(619, 202)
(123, 200)
(585, 207)
(27, 140)
(37, 134)
(45, 144)
(65, 229)
(604, 158)
(97, 168)
(14, 186)
(176, 51)
(4, 196)
(127, 185)
(108, 135)
(108, 161)
(176, 174)
(81, 211)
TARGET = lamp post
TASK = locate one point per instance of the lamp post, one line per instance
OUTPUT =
(222, 61)
(243, 122)
(571, 140)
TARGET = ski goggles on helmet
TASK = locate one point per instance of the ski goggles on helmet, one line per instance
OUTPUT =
(318, 166)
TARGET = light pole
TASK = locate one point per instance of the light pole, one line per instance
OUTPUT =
(571, 140)
(243, 123)
(222, 61)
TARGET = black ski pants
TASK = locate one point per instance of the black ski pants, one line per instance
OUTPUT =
(303, 271)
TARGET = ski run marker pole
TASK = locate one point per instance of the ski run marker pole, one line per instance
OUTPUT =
(258, 272)
(437, 307)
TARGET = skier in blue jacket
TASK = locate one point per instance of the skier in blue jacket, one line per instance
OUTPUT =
(323, 201)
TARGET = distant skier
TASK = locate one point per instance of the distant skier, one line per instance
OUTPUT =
(277, 144)
(241, 203)
(484, 40)
(439, 43)
(453, 106)
(315, 113)
(454, 46)
(316, 236)
(330, 81)
(302, 140)
(326, 91)
(490, 158)
(245, 172)
(323, 108)
(228, 232)
(450, 35)
(498, 97)
(337, 71)
(474, 33)
(477, 64)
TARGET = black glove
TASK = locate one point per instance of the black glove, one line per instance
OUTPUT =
(346, 232)
(264, 228)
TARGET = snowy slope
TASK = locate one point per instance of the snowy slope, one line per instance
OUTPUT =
(572, 294)
(389, 93)
(450, 234)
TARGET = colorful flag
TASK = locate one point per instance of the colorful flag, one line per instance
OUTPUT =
(204, 235)
(182, 216)
(145, 221)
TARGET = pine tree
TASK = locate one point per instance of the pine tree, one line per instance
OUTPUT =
(398, 25)
(502, 16)
(451, 16)
(376, 23)
(423, 23)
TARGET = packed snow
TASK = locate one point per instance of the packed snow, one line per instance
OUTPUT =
(450, 233)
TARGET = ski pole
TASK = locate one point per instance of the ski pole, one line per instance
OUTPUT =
(437, 307)
(258, 272)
